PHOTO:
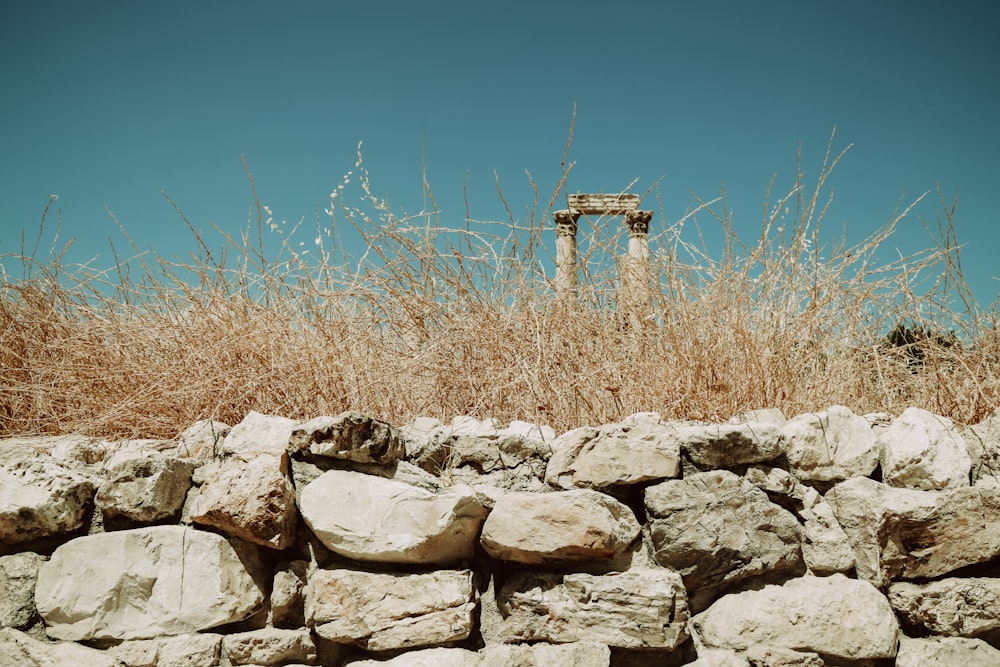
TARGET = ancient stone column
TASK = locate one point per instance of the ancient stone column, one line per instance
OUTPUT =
(636, 293)
(566, 253)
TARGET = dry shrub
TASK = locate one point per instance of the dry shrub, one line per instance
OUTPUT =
(437, 321)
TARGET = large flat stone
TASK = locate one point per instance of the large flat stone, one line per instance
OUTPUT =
(41, 499)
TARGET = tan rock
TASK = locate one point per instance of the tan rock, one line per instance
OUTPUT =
(191, 650)
(425, 657)
(381, 612)
(614, 455)
(147, 582)
(834, 616)
(18, 574)
(288, 594)
(576, 654)
(924, 451)
(269, 646)
(18, 649)
(558, 527)
(253, 500)
(369, 518)
(641, 608)
(259, 434)
(946, 652)
(954, 607)
(830, 445)
(717, 529)
(729, 445)
(202, 441)
(351, 436)
(40, 499)
(907, 534)
(145, 489)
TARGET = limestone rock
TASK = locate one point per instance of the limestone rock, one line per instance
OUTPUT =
(288, 594)
(954, 607)
(946, 652)
(202, 441)
(145, 489)
(351, 436)
(40, 499)
(269, 646)
(142, 583)
(18, 574)
(259, 434)
(729, 445)
(773, 656)
(982, 441)
(921, 450)
(719, 657)
(622, 454)
(716, 529)
(253, 500)
(908, 534)
(426, 657)
(18, 649)
(577, 654)
(380, 612)
(190, 650)
(831, 445)
(831, 616)
(640, 608)
(825, 546)
(559, 527)
(374, 519)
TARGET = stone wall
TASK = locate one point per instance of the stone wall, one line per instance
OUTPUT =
(826, 539)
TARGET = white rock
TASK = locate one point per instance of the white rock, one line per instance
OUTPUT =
(962, 607)
(921, 450)
(269, 646)
(831, 445)
(202, 440)
(946, 652)
(145, 488)
(41, 499)
(426, 657)
(835, 616)
(350, 436)
(259, 434)
(374, 519)
(576, 654)
(288, 594)
(907, 534)
(613, 455)
(191, 650)
(641, 608)
(18, 649)
(558, 527)
(18, 574)
(381, 612)
(253, 500)
(143, 583)
(728, 445)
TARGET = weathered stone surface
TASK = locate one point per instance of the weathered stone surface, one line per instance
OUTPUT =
(145, 489)
(577, 654)
(558, 527)
(729, 445)
(18, 574)
(142, 583)
(641, 608)
(350, 436)
(269, 646)
(630, 452)
(832, 616)
(908, 534)
(955, 607)
(253, 500)
(18, 649)
(288, 594)
(716, 529)
(825, 546)
(381, 612)
(718, 657)
(426, 657)
(41, 498)
(190, 650)
(946, 652)
(982, 441)
(374, 519)
(921, 450)
(259, 434)
(202, 441)
(831, 445)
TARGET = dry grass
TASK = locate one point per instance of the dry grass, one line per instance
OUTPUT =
(437, 321)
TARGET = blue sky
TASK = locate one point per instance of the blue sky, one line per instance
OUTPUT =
(109, 103)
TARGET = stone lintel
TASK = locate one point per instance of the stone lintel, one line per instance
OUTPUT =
(602, 204)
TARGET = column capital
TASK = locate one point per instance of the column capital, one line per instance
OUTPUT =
(566, 220)
(638, 222)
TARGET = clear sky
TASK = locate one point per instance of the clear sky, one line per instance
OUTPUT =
(109, 103)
